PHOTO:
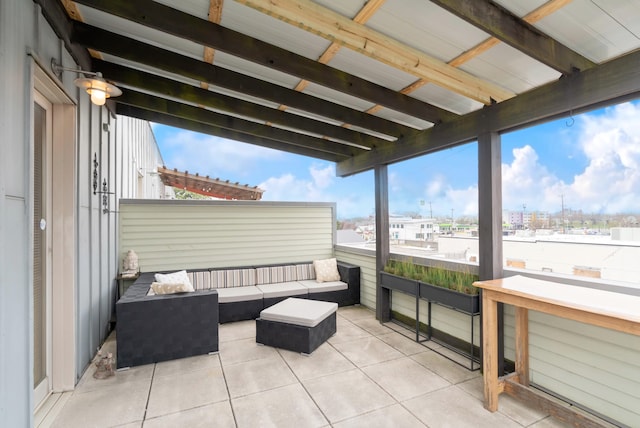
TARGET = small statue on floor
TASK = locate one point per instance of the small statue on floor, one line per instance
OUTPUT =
(130, 264)
(104, 366)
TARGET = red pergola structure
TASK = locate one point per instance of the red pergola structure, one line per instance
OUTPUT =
(213, 187)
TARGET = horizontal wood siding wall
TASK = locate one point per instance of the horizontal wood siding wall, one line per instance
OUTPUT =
(368, 275)
(592, 366)
(597, 368)
(172, 234)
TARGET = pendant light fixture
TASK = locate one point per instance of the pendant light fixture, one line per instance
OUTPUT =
(98, 88)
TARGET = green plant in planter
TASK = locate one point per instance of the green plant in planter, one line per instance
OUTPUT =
(438, 275)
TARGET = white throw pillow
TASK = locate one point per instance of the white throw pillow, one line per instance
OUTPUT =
(170, 288)
(179, 277)
(326, 270)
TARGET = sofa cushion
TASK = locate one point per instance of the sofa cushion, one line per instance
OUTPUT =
(276, 274)
(263, 275)
(179, 277)
(320, 287)
(218, 278)
(240, 277)
(239, 294)
(170, 288)
(326, 270)
(305, 271)
(204, 280)
(283, 289)
(201, 280)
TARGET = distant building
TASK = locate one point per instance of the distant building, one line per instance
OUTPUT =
(410, 229)
(526, 220)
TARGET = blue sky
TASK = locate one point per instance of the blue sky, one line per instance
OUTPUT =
(593, 160)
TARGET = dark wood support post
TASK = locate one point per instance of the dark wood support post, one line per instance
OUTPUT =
(383, 298)
(490, 221)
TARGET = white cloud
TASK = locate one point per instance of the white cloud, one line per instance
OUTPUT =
(527, 181)
(288, 187)
(321, 185)
(205, 154)
(322, 177)
(609, 183)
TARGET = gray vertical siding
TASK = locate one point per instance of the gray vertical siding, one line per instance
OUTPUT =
(27, 40)
(17, 23)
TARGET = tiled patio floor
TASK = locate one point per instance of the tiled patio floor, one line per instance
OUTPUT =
(367, 375)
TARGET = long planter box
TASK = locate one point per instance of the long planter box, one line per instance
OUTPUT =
(462, 302)
(399, 283)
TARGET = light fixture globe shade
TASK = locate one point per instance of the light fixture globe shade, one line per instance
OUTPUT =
(98, 88)
(98, 96)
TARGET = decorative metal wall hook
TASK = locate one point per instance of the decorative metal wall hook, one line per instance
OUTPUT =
(95, 172)
(105, 197)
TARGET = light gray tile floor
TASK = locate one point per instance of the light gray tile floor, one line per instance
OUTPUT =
(366, 375)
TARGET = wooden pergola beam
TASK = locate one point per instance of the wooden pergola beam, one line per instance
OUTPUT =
(149, 82)
(166, 119)
(197, 114)
(334, 27)
(507, 27)
(162, 59)
(616, 80)
(367, 11)
(166, 19)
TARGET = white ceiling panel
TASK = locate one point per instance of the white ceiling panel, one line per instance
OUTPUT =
(258, 25)
(369, 69)
(254, 70)
(446, 99)
(625, 12)
(402, 118)
(344, 7)
(426, 27)
(520, 8)
(599, 31)
(510, 69)
(337, 97)
(313, 116)
(199, 8)
(140, 32)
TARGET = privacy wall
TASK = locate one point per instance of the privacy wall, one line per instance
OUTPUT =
(195, 234)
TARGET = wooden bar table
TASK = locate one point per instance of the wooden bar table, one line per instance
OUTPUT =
(606, 309)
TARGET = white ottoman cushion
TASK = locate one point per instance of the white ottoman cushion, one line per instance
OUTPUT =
(307, 313)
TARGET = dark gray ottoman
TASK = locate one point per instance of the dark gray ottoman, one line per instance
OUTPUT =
(299, 325)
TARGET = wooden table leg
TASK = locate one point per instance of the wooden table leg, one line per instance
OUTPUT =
(522, 345)
(490, 350)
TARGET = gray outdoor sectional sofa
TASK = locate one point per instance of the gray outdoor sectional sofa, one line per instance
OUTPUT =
(154, 328)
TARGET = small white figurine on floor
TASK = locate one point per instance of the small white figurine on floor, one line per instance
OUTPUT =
(104, 366)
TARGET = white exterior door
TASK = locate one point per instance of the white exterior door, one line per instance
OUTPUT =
(42, 139)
